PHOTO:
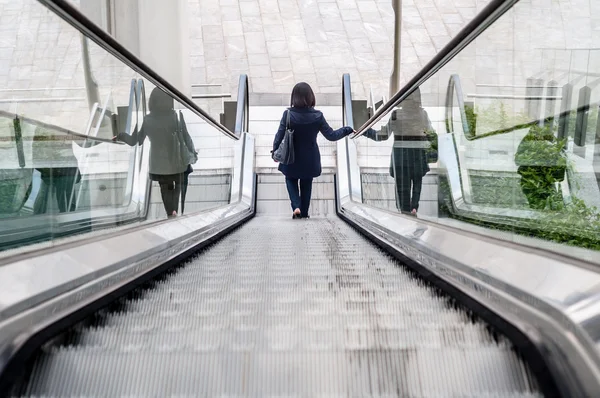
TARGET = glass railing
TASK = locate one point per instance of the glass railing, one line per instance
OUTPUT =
(88, 144)
(495, 139)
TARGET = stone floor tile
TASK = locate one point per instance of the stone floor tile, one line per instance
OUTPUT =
(297, 44)
(214, 51)
(260, 71)
(262, 85)
(278, 49)
(303, 66)
(272, 19)
(376, 33)
(440, 41)
(320, 49)
(233, 28)
(323, 62)
(284, 79)
(329, 10)
(281, 64)
(274, 32)
(252, 24)
(436, 29)
(425, 50)
(255, 43)
(268, 6)
(412, 22)
(211, 18)
(343, 60)
(250, 9)
(294, 28)
(326, 76)
(300, 55)
(366, 61)
(310, 78)
(347, 5)
(453, 18)
(355, 30)
(212, 34)
(350, 15)
(235, 47)
(197, 61)
(361, 46)
(338, 42)
(231, 13)
(258, 59)
(365, 6)
(315, 34)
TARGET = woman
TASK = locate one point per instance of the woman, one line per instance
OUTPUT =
(167, 163)
(306, 122)
(412, 131)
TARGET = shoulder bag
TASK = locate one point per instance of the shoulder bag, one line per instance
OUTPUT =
(284, 154)
(187, 155)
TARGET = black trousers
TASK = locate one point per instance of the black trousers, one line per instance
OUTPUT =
(59, 183)
(408, 190)
(299, 196)
(170, 190)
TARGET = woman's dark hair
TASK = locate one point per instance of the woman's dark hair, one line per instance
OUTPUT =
(302, 96)
(160, 101)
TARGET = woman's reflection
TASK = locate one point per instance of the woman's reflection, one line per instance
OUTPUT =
(412, 151)
(58, 168)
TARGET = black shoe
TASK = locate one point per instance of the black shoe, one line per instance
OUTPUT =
(307, 216)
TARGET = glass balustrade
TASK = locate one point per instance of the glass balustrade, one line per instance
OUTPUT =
(72, 159)
(516, 152)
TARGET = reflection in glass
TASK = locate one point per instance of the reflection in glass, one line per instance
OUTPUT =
(519, 138)
(542, 163)
(172, 151)
(63, 102)
(412, 150)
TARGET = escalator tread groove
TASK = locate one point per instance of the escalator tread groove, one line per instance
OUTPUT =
(283, 307)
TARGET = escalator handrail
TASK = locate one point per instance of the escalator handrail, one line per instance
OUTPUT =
(84, 25)
(58, 129)
(455, 84)
(348, 115)
(494, 10)
(242, 119)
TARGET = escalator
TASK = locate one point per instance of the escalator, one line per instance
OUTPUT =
(303, 308)
(225, 302)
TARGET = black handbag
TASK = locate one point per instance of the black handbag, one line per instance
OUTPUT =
(284, 154)
(187, 155)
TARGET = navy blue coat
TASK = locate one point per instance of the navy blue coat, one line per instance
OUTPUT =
(306, 123)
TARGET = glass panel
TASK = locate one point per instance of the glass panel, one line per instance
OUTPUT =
(517, 139)
(73, 154)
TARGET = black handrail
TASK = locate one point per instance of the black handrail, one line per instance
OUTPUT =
(55, 128)
(494, 10)
(347, 112)
(242, 120)
(454, 85)
(83, 24)
(133, 102)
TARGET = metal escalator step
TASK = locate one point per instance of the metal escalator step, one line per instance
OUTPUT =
(119, 339)
(413, 372)
(284, 308)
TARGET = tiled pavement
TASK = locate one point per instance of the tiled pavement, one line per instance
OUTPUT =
(281, 42)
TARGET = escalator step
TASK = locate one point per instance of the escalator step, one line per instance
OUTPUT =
(281, 307)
